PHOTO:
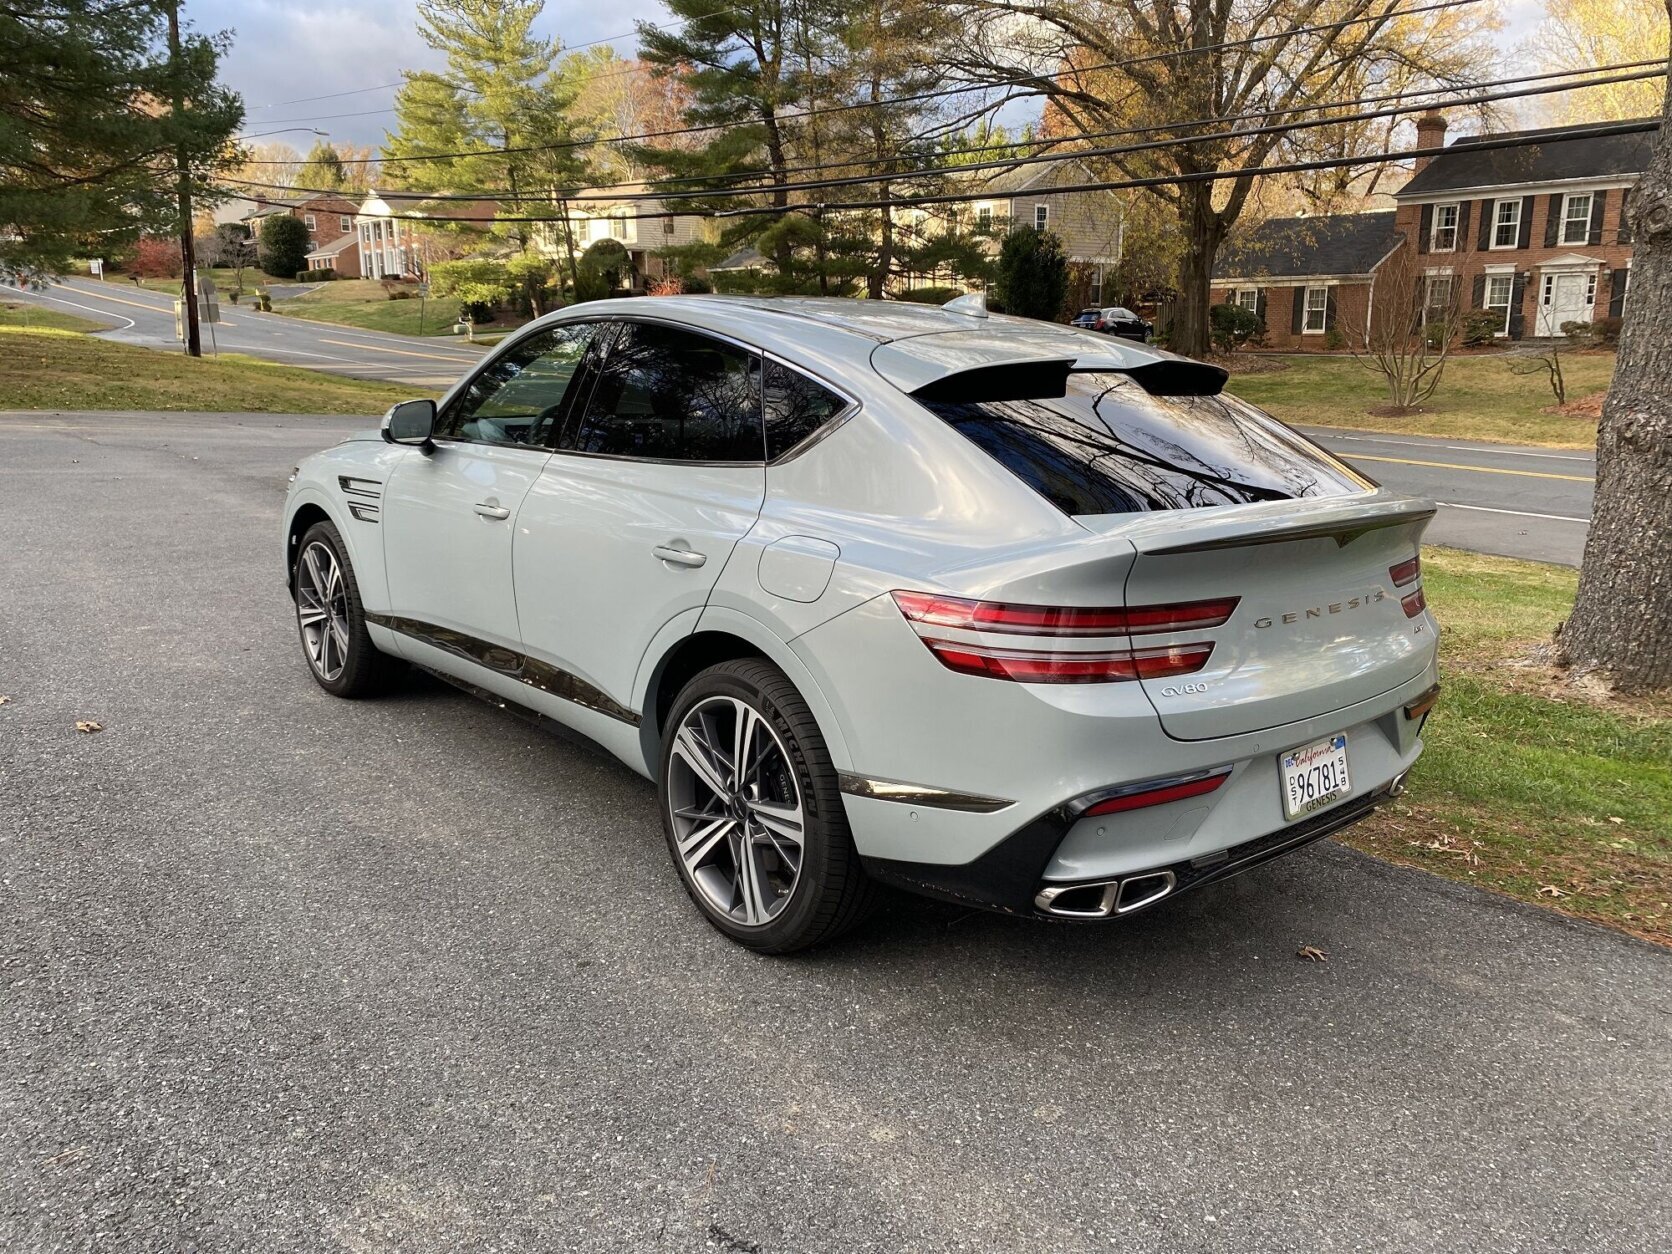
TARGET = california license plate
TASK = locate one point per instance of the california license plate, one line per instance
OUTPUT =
(1314, 776)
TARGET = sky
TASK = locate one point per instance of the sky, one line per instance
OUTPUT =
(286, 51)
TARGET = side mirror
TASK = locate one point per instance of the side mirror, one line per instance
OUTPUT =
(410, 422)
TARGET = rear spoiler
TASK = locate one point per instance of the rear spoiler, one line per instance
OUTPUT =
(1018, 359)
(1342, 519)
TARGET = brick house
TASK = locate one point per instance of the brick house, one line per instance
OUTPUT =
(1536, 232)
(393, 242)
(327, 216)
(1311, 280)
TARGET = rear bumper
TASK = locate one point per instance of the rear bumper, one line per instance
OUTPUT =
(1010, 876)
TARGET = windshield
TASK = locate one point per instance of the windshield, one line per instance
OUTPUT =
(1109, 447)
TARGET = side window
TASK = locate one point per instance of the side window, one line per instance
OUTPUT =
(519, 397)
(672, 395)
(796, 406)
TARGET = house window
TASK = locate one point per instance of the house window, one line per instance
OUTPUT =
(984, 217)
(1500, 290)
(1506, 224)
(1443, 239)
(1096, 292)
(1576, 218)
(1436, 306)
(1249, 298)
(667, 225)
(1041, 217)
(620, 231)
(1317, 311)
(345, 224)
(309, 219)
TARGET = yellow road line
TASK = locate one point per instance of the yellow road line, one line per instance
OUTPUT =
(1482, 470)
(137, 304)
(404, 352)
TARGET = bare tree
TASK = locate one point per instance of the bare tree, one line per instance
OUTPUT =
(1622, 620)
(1414, 320)
(1545, 359)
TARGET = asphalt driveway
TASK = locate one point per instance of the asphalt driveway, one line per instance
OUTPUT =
(290, 973)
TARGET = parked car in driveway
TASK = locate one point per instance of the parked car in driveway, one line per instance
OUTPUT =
(1007, 613)
(1114, 320)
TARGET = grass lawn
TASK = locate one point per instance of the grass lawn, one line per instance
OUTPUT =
(61, 369)
(1479, 399)
(364, 303)
(253, 278)
(1531, 785)
(17, 313)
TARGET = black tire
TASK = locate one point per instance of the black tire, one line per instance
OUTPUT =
(831, 893)
(363, 670)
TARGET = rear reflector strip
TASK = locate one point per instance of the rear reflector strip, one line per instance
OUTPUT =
(1062, 620)
(1423, 704)
(1406, 572)
(1156, 794)
(1029, 667)
(1414, 604)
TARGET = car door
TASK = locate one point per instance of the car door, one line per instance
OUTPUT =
(656, 478)
(449, 514)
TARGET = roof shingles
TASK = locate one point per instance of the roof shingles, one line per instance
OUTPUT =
(1332, 244)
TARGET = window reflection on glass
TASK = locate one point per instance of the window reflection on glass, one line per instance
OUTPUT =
(518, 398)
(1109, 447)
(673, 395)
(796, 407)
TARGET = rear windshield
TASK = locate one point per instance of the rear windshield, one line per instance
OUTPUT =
(1109, 447)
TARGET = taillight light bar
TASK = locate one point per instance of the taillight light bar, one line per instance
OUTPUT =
(933, 610)
(1414, 603)
(1157, 793)
(1407, 572)
(1045, 667)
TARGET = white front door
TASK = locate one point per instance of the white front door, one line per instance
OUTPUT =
(1564, 298)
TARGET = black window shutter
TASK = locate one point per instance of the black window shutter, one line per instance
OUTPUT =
(1623, 235)
(1329, 310)
(1488, 216)
(1260, 305)
(1599, 205)
(1526, 239)
(1517, 297)
(1426, 231)
(1300, 310)
(1617, 294)
(1463, 226)
(1479, 300)
(1553, 220)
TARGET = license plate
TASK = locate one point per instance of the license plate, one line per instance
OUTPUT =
(1314, 776)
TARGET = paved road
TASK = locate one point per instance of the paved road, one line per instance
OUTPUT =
(1509, 499)
(140, 316)
(289, 973)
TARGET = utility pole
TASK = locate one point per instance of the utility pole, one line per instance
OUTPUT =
(188, 252)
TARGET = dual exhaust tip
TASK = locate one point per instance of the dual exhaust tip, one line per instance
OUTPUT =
(1105, 899)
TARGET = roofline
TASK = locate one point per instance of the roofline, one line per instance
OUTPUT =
(1448, 194)
(1293, 280)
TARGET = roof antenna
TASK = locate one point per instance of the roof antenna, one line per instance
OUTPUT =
(970, 305)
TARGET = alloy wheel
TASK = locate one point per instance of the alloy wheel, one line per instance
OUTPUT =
(737, 813)
(322, 610)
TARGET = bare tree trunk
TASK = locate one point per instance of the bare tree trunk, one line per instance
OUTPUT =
(1188, 327)
(1622, 621)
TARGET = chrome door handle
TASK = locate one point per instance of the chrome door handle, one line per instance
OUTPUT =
(491, 511)
(679, 557)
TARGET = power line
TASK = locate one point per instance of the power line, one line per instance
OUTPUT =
(564, 145)
(589, 195)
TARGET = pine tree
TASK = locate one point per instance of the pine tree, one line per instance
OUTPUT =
(83, 168)
(323, 168)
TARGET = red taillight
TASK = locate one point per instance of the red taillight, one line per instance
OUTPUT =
(1158, 795)
(1414, 604)
(1059, 620)
(1029, 667)
(1406, 572)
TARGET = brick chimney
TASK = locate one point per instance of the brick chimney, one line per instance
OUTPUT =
(1431, 133)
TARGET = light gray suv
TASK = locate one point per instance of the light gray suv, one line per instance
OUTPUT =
(1016, 615)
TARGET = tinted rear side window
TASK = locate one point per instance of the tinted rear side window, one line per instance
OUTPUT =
(672, 395)
(1109, 447)
(796, 406)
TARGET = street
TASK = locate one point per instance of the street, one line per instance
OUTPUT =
(1507, 499)
(285, 972)
(140, 316)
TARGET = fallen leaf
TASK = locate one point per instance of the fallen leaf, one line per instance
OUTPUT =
(87, 726)
(1550, 890)
(1311, 953)
(5, 700)
(1614, 818)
